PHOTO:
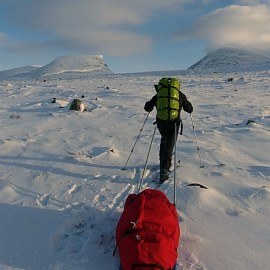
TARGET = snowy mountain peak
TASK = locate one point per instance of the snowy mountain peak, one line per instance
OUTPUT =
(93, 64)
(74, 63)
(230, 57)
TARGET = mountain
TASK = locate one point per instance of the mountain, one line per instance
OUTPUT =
(74, 63)
(17, 71)
(93, 64)
(229, 58)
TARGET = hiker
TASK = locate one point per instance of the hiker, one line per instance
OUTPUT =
(168, 117)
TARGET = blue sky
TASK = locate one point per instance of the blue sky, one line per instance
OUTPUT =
(132, 35)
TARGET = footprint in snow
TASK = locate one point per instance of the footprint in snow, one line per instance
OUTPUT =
(98, 151)
(188, 259)
(233, 212)
(43, 200)
(74, 189)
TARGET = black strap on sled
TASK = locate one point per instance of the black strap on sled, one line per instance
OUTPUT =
(135, 265)
(128, 231)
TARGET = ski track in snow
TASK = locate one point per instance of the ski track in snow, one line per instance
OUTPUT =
(63, 187)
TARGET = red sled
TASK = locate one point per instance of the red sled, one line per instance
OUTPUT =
(148, 232)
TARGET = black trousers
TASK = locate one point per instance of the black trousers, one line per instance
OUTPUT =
(167, 132)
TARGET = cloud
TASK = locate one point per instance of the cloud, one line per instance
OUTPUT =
(253, 2)
(3, 39)
(241, 26)
(99, 26)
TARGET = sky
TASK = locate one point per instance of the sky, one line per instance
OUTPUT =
(133, 36)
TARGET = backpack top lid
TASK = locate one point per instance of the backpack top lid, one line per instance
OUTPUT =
(168, 81)
(169, 104)
(164, 81)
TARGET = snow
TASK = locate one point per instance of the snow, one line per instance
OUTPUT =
(62, 187)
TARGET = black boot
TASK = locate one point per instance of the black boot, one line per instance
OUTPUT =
(164, 175)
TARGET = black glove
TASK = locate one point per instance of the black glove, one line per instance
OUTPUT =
(190, 108)
(148, 107)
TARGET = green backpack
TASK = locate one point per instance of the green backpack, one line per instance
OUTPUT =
(169, 104)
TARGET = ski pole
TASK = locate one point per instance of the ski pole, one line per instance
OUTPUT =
(140, 185)
(174, 173)
(124, 168)
(201, 166)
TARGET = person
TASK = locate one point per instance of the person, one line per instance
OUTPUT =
(167, 132)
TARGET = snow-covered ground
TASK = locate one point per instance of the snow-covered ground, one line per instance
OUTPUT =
(62, 186)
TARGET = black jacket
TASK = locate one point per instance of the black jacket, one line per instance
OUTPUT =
(186, 105)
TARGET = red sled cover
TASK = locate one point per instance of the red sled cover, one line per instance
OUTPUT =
(148, 232)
